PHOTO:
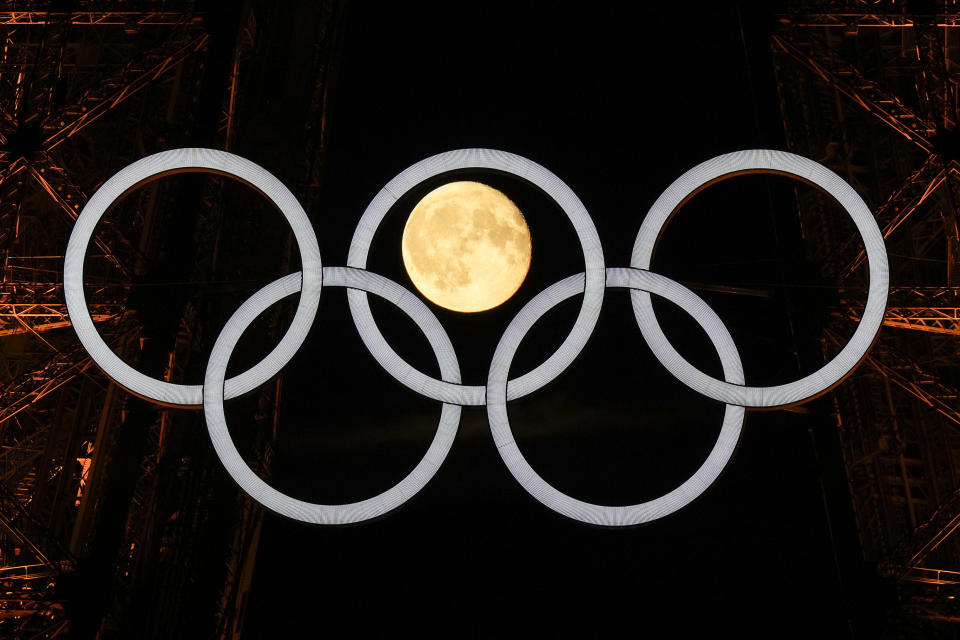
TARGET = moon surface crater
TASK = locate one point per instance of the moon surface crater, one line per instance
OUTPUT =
(466, 247)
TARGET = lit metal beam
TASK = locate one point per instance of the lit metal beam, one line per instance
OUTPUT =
(128, 80)
(912, 378)
(865, 93)
(146, 18)
(34, 385)
(898, 207)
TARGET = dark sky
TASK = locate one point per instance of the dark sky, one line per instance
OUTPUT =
(618, 104)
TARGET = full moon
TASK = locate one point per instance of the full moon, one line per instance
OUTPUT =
(466, 247)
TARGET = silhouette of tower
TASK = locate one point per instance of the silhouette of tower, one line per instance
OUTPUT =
(87, 545)
(870, 89)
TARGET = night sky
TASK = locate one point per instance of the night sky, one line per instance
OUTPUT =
(618, 105)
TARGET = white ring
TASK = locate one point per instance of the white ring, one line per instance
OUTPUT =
(585, 511)
(281, 503)
(507, 163)
(767, 161)
(174, 161)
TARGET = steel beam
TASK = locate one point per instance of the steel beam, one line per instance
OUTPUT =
(865, 93)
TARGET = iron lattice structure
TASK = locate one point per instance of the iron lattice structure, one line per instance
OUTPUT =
(871, 90)
(89, 544)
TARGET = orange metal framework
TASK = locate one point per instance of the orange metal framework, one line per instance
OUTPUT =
(870, 89)
(67, 80)
(54, 417)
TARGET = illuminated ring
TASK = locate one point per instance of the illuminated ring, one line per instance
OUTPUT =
(507, 163)
(497, 389)
(176, 161)
(764, 161)
(298, 509)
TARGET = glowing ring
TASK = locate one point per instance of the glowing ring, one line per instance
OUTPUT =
(766, 161)
(298, 509)
(169, 162)
(584, 511)
(507, 163)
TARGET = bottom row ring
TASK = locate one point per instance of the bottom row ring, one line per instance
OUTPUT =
(496, 399)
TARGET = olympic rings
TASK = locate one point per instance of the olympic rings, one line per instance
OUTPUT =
(498, 390)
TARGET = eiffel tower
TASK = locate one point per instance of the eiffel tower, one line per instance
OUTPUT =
(86, 546)
(870, 89)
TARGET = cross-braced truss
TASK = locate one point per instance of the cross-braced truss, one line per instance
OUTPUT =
(62, 75)
(70, 80)
(870, 89)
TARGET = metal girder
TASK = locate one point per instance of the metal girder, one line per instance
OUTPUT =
(898, 65)
(927, 575)
(7, 126)
(20, 454)
(241, 54)
(46, 69)
(897, 208)
(927, 537)
(132, 77)
(49, 412)
(934, 590)
(867, 94)
(923, 385)
(38, 307)
(889, 14)
(912, 378)
(15, 518)
(936, 90)
(881, 14)
(38, 494)
(852, 20)
(147, 17)
(37, 596)
(895, 448)
(12, 177)
(35, 384)
(37, 319)
(87, 108)
(56, 181)
(36, 444)
(930, 309)
(942, 320)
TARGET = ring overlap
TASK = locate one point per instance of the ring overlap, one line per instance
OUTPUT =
(499, 389)
(249, 481)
